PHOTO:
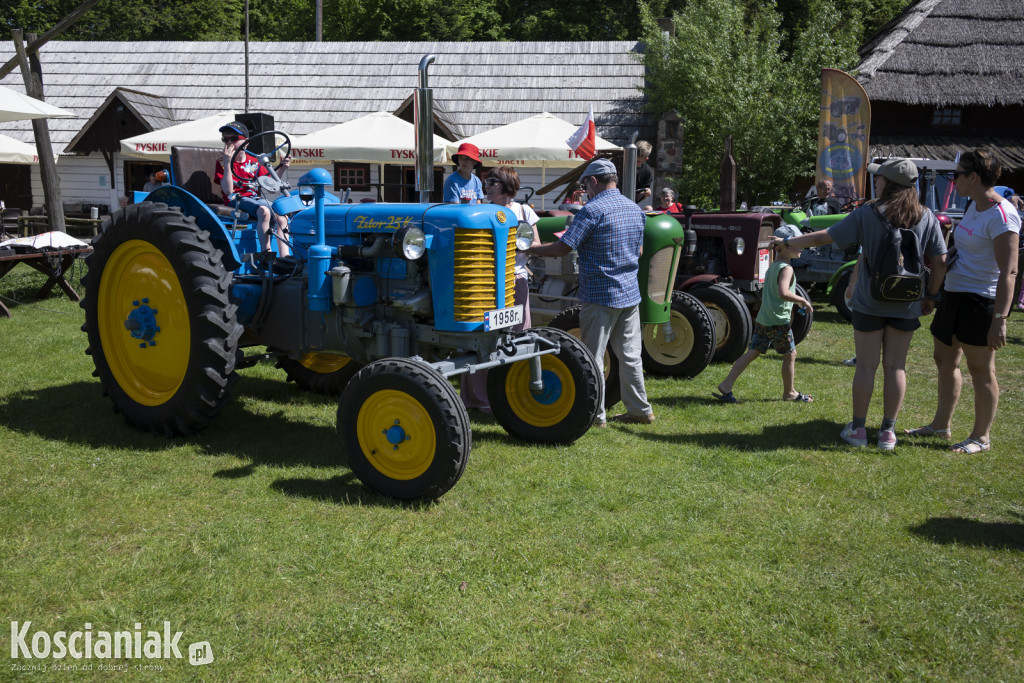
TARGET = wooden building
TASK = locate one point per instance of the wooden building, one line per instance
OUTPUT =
(948, 76)
(121, 89)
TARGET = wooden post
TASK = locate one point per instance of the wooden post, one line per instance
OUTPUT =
(32, 75)
(727, 179)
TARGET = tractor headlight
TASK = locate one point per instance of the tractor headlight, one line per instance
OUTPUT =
(306, 194)
(409, 243)
(524, 236)
(739, 245)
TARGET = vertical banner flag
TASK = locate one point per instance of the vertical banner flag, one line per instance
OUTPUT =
(584, 141)
(844, 131)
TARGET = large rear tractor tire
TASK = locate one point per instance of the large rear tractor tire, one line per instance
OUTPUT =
(802, 318)
(569, 321)
(322, 373)
(566, 408)
(839, 295)
(404, 430)
(693, 344)
(733, 322)
(162, 331)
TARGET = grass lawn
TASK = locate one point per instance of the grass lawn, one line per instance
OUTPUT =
(721, 542)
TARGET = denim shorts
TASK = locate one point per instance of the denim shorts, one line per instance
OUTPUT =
(862, 322)
(779, 337)
(250, 205)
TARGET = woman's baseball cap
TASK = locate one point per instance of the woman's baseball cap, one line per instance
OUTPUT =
(468, 150)
(898, 170)
(235, 127)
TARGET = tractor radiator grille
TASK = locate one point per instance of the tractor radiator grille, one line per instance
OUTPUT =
(476, 274)
(661, 276)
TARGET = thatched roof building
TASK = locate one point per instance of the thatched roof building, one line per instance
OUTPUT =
(945, 76)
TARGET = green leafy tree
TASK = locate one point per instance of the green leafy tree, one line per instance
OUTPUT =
(130, 19)
(726, 74)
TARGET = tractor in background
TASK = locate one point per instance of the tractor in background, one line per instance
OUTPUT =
(678, 332)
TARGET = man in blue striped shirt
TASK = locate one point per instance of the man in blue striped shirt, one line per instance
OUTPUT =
(608, 235)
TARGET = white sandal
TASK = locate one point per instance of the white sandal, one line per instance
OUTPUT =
(928, 430)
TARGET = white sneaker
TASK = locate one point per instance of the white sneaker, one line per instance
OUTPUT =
(887, 439)
(855, 437)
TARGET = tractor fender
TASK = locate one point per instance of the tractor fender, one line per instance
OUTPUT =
(205, 218)
(697, 280)
(836, 275)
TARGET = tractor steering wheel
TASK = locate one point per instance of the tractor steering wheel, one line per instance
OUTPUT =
(851, 205)
(262, 158)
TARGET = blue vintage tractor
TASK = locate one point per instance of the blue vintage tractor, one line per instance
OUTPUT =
(382, 304)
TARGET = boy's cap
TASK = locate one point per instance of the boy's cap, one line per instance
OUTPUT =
(898, 170)
(787, 230)
(599, 167)
(235, 127)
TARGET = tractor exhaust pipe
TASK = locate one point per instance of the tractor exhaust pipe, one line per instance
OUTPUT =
(629, 155)
(424, 121)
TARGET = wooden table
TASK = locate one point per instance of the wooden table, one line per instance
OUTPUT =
(54, 263)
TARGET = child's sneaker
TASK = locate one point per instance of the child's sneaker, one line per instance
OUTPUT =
(887, 439)
(855, 437)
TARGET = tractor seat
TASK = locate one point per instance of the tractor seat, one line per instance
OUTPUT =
(193, 168)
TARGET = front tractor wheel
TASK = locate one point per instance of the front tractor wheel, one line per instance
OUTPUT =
(404, 430)
(802, 319)
(733, 322)
(322, 373)
(567, 406)
(569, 321)
(692, 344)
(162, 332)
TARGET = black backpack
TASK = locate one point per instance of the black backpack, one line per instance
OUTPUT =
(897, 270)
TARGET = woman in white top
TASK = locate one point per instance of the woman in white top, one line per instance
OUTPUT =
(976, 298)
(500, 187)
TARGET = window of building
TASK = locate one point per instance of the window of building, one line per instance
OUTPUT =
(353, 176)
(947, 116)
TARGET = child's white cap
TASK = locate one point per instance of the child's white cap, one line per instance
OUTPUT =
(788, 230)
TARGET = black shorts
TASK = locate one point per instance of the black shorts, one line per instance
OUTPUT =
(862, 322)
(963, 314)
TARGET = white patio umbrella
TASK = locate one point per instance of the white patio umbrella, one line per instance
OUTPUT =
(15, 106)
(378, 138)
(535, 141)
(157, 144)
(17, 152)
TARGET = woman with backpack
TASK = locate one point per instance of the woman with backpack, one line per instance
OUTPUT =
(886, 301)
(976, 299)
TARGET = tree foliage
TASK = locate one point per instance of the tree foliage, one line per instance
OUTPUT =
(725, 73)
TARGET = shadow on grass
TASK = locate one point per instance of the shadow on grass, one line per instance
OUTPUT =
(812, 435)
(972, 532)
(345, 489)
(77, 413)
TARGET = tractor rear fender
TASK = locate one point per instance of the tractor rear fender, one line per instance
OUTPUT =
(697, 280)
(206, 219)
(839, 273)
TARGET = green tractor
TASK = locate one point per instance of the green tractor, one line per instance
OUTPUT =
(678, 330)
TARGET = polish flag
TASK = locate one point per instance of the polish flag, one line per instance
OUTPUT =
(584, 141)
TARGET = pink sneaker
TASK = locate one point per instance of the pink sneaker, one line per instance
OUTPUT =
(887, 440)
(855, 437)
